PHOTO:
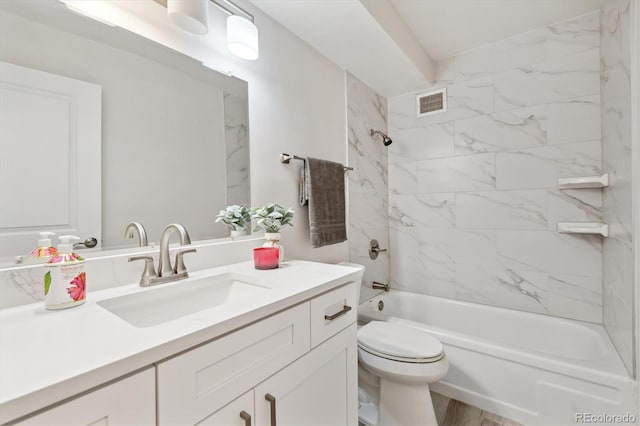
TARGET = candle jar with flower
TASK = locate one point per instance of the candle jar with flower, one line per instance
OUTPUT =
(271, 218)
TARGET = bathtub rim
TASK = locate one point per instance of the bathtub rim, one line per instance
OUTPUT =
(555, 364)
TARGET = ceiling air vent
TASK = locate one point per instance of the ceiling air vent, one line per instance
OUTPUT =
(431, 102)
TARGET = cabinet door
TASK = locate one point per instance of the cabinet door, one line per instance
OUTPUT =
(319, 389)
(238, 412)
(130, 401)
(199, 382)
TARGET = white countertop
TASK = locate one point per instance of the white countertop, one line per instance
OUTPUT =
(47, 356)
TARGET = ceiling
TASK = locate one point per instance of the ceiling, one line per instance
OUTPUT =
(391, 45)
(445, 28)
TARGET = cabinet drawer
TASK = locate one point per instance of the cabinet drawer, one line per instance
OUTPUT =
(195, 384)
(332, 312)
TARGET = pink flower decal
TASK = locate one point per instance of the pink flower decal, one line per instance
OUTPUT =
(44, 252)
(76, 291)
(69, 257)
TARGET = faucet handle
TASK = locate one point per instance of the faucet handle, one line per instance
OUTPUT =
(179, 267)
(149, 272)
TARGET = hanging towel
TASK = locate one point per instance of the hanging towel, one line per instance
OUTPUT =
(324, 187)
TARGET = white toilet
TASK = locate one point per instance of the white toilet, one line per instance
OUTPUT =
(405, 360)
(396, 364)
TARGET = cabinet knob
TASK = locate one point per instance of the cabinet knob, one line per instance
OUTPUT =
(246, 417)
(272, 404)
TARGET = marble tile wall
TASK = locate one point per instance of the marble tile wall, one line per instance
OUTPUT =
(236, 134)
(618, 255)
(368, 187)
(473, 202)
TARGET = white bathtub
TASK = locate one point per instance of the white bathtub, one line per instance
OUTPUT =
(535, 369)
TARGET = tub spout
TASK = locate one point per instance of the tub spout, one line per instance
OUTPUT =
(379, 286)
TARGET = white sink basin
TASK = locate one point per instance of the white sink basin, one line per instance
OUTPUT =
(172, 301)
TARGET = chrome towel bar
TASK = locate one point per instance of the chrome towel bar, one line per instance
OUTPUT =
(286, 159)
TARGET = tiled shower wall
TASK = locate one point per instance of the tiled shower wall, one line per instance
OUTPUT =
(615, 86)
(368, 190)
(236, 134)
(473, 200)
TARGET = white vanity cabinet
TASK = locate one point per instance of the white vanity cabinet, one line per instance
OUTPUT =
(270, 365)
(297, 366)
(128, 401)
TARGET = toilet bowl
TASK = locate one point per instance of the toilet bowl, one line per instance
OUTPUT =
(406, 360)
(396, 365)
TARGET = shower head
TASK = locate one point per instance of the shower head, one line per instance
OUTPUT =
(386, 140)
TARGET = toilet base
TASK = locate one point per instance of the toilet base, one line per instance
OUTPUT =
(405, 405)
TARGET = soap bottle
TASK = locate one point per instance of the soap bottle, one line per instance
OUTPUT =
(64, 278)
(45, 249)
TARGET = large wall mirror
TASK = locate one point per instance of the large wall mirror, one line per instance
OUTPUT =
(172, 134)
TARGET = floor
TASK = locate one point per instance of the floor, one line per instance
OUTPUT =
(450, 412)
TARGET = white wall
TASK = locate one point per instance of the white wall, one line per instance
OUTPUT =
(296, 105)
(296, 102)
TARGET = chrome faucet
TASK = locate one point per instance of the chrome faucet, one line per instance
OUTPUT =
(164, 264)
(166, 273)
(136, 227)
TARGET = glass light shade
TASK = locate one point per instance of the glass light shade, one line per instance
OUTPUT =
(190, 15)
(242, 37)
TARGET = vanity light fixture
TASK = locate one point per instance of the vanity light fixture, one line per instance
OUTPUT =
(242, 34)
(190, 15)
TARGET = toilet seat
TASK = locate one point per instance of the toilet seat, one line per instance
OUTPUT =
(400, 343)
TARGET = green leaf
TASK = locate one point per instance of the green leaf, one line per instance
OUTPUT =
(47, 282)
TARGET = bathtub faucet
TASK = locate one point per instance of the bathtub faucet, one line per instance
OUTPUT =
(379, 286)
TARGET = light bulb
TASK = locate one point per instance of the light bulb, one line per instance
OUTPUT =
(242, 37)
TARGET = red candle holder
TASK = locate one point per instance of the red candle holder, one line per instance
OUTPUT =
(266, 257)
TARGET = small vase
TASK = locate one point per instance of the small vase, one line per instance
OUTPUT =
(238, 233)
(273, 240)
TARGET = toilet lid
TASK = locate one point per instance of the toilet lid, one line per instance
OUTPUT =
(397, 341)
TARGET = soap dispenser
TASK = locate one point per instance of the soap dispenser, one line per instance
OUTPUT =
(45, 248)
(64, 278)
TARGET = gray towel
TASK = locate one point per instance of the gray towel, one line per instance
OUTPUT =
(324, 186)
